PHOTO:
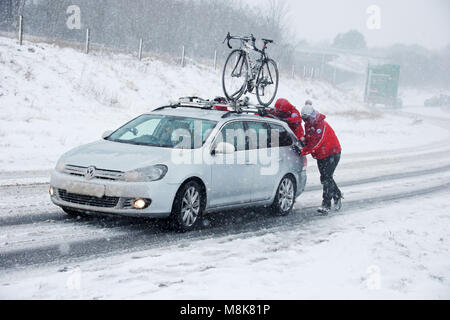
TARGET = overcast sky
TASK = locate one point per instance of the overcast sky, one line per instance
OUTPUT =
(426, 22)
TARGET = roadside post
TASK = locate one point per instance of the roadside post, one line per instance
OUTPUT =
(20, 30)
(141, 42)
(87, 40)
(182, 58)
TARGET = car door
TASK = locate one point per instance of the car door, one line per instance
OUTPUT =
(232, 179)
(281, 146)
(264, 165)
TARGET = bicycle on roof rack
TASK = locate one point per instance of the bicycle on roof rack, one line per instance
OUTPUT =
(241, 74)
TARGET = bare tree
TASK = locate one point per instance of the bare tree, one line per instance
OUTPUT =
(277, 15)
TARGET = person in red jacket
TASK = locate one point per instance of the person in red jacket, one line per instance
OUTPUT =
(323, 145)
(285, 111)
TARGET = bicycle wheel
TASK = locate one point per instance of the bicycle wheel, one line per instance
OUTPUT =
(267, 82)
(235, 75)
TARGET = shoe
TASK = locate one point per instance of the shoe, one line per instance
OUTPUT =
(323, 210)
(338, 203)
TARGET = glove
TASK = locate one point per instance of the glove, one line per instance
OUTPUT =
(262, 112)
(296, 149)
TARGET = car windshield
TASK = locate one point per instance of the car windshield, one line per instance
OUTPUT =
(164, 131)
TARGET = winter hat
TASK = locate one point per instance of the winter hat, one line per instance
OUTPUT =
(282, 105)
(307, 111)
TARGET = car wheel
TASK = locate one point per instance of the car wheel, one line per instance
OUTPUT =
(73, 213)
(188, 207)
(285, 197)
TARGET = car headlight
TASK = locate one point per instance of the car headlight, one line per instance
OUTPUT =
(153, 173)
(60, 165)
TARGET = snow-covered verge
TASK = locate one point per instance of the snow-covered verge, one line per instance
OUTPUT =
(374, 254)
(53, 99)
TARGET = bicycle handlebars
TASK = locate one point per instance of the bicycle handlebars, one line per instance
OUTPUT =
(228, 38)
(249, 38)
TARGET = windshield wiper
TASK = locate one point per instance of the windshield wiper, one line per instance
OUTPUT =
(135, 143)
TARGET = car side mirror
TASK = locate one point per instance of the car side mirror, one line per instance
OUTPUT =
(224, 148)
(106, 134)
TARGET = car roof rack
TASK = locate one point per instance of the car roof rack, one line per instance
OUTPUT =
(188, 102)
(237, 107)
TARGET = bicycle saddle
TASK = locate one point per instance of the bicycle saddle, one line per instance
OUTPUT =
(267, 40)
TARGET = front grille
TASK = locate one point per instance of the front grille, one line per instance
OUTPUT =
(105, 202)
(99, 173)
(128, 203)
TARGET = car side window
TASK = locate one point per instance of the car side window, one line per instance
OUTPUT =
(233, 133)
(145, 128)
(257, 135)
(207, 128)
(280, 137)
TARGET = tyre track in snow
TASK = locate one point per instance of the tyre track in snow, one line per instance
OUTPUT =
(144, 235)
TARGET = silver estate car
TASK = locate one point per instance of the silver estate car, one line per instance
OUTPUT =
(180, 163)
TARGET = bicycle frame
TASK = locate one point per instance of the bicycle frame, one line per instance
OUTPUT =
(252, 73)
(247, 49)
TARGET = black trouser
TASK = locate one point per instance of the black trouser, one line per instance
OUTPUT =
(326, 168)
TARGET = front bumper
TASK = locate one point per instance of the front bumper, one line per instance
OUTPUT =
(114, 197)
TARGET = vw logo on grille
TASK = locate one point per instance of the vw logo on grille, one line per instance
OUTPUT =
(90, 173)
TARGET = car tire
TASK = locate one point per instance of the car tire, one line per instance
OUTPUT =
(285, 197)
(188, 206)
(73, 213)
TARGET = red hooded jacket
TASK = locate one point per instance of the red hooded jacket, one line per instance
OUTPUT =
(320, 139)
(285, 111)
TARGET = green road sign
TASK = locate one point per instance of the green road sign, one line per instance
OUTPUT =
(382, 84)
